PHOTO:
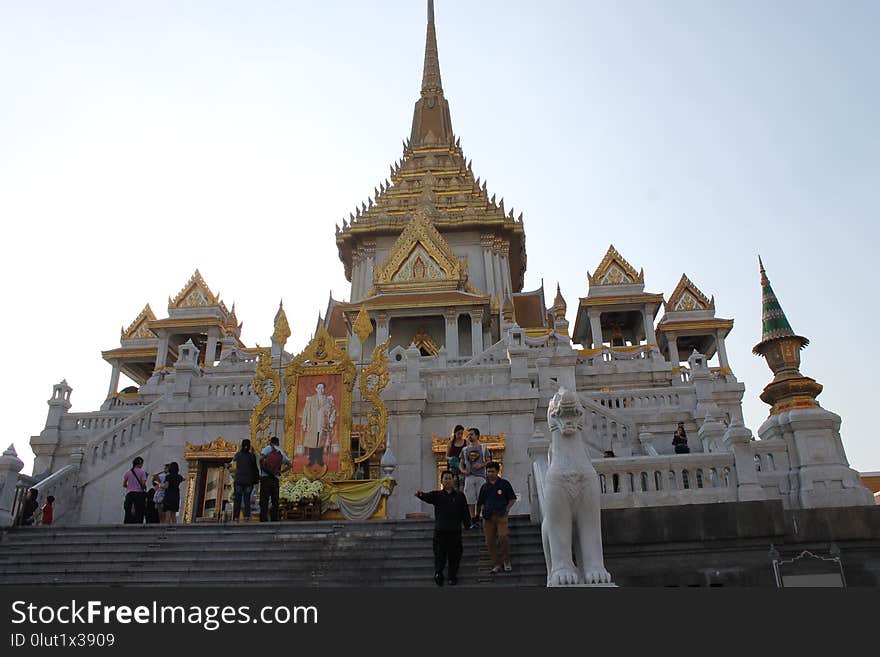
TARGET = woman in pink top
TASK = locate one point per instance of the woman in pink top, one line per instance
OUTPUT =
(135, 484)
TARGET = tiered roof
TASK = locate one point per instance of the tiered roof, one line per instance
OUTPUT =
(434, 163)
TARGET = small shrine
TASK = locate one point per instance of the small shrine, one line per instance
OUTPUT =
(335, 462)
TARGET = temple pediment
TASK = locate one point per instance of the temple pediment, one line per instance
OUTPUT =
(420, 258)
(139, 329)
(688, 297)
(194, 294)
(615, 270)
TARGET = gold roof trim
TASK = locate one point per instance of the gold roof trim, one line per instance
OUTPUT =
(219, 448)
(423, 340)
(416, 299)
(138, 329)
(195, 293)
(717, 323)
(615, 270)
(645, 297)
(688, 296)
(498, 441)
(188, 322)
(145, 352)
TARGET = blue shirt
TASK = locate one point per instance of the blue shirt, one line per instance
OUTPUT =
(493, 498)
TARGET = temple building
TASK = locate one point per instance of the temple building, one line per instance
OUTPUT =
(437, 331)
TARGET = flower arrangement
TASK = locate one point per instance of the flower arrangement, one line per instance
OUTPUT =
(301, 489)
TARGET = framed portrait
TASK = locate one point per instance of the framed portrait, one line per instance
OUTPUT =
(317, 415)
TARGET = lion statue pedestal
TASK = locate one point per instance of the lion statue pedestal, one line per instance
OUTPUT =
(571, 500)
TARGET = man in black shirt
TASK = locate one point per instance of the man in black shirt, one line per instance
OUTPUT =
(450, 516)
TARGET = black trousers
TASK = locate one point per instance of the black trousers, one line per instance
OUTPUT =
(134, 506)
(268, 492)
(447, 546)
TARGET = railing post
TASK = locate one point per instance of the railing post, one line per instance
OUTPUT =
(737, 438)
(10, 466)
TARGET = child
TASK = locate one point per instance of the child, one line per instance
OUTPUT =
(48, 510)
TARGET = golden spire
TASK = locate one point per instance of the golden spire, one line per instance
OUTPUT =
(431, 83)
(362, 325)
(431, 121)
(282, 328)
(559, 305)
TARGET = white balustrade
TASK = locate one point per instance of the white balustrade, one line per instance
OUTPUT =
(61, 484)
(106, 445)
(651, 398)
(666, 480)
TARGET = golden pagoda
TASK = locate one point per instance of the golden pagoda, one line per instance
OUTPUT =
(431, 248)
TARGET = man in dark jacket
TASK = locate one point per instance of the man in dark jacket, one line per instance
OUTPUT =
(494, 501)
(247, 475)
(451, 515)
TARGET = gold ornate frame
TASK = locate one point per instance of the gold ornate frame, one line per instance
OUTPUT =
(495, 443)
(217, 450)
(321, 356)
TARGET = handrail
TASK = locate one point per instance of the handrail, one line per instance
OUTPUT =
(61, 484)
(105, 445)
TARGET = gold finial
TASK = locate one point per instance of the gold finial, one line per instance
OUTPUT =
(362, 325)
(282, 328)
(559, 305)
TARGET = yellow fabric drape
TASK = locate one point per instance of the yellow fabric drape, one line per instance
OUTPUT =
(354, 492)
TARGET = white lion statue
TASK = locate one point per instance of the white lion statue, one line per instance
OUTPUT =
(571, 499)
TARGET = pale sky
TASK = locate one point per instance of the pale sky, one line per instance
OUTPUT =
(140, 141)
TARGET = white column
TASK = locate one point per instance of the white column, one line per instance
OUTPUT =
(505, 266)
(496, 265)
(674, 358)
(381, 327)
(476, 332)
(486, 245)
(357, 288)
(451, 333)
(114, 379)
(211, 347)
(596, 327)
(369, 265)
(162, 353)
(722, 350)
(650, 336)
(368, 276)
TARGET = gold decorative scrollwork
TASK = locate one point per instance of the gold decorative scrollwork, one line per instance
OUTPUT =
(372, 382)
(322, 356)
(267, 385)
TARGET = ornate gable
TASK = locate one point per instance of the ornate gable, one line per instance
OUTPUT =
(138, 329)
(687, 296)
(615, 270)
(194, 294)
(420, 258)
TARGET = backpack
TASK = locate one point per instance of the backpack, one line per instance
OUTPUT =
(272, 462)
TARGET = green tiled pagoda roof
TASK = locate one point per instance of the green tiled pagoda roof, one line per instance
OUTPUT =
(774, 323)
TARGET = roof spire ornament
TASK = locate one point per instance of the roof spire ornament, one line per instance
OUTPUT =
(431, 120)
(362, 325)
(789, 389)
(282, 328)
(431, 83)
(559, 305)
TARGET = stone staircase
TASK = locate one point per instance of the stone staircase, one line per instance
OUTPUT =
(307, 554)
